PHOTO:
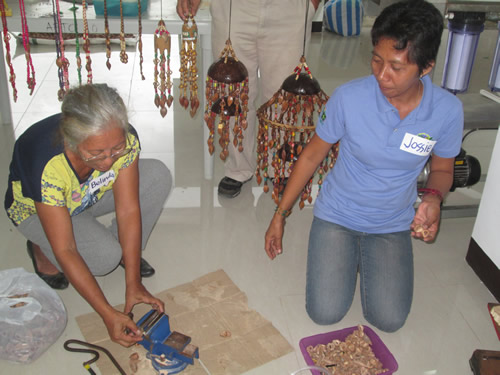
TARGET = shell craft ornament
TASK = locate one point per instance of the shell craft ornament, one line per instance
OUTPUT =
(163, 87)
(226, 95)
(188, 69)
(286, 125)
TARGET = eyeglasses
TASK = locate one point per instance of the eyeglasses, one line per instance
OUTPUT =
(101, 157)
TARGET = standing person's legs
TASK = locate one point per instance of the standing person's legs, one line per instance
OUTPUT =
(281, 41)
(281, 45)
(239, 166)
(332, 266)
(386, 279)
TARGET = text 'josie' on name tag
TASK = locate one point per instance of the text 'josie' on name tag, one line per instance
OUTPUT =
(416, 144)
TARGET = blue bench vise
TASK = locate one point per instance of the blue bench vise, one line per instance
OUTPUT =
(169, 352)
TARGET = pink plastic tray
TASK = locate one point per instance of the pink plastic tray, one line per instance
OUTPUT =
(378, 347)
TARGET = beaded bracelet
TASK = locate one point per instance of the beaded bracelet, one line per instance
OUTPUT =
(282, 212)
(436, 192)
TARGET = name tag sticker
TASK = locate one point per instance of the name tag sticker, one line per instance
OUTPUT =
(417, 145)
(102, 180)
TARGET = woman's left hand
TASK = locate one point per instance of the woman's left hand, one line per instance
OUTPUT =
(426, 221)
(138, 294)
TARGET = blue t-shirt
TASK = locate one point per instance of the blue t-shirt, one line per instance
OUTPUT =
(372, 187)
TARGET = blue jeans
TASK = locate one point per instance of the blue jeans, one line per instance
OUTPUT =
(385, 265)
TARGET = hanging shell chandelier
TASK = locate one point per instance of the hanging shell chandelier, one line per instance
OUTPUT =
(227, 97)
(286, 125)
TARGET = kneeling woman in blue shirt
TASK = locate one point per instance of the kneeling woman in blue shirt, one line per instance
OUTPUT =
(388, 125)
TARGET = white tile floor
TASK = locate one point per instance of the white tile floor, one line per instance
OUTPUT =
(200, 232)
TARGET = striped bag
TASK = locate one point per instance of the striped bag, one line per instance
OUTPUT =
(344, 17)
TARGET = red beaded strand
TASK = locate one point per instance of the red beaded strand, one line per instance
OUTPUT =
(6, 38)
(30, 70)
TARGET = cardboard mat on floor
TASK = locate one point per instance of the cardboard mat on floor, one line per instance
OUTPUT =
(202, 309)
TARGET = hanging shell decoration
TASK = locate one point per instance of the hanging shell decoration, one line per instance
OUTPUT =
(188, 69)
(227, 96)
(286, 125)
(162, 69)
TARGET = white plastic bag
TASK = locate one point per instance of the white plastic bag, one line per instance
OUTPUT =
(32, 316)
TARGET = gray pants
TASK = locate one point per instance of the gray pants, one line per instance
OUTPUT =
(97, 244)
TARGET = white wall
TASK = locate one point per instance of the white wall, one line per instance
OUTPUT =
(486, 230)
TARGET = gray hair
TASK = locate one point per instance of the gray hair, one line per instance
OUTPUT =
(87, 110)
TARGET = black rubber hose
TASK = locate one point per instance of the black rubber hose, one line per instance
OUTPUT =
(92, 351)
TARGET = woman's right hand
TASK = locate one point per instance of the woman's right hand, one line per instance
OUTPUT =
(121, 328)
(274, 236)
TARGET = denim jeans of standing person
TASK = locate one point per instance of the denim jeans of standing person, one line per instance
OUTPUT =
(385, 265)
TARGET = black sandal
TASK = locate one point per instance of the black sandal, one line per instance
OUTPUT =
(57, 281)
(146, 269)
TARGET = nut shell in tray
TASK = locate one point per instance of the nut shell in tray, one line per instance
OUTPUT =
(380, 350)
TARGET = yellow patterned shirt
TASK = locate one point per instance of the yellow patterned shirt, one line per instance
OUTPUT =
(41, 172)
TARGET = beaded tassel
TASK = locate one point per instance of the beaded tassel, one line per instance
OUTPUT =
(86, 42)
(123, 46)
(61, 61)
(106, 35)
(141, 58)
(77, 45)
(188, 69)
(162, 69)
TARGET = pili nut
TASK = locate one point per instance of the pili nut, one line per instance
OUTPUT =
(19, 304)
(18, 295)
(420, 229)
(134, 356)
(225, 334)
(133, 366)
(170, 100)
(195, 103)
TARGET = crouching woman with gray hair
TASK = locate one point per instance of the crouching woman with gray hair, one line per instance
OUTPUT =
(71, 168)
